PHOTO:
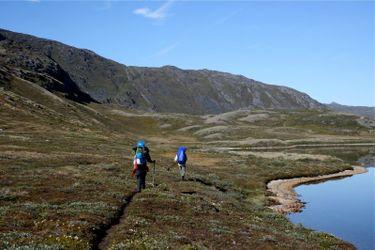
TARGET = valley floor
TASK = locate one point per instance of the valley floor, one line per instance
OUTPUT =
(65, 177)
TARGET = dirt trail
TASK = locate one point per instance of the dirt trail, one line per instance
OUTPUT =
(101, 240)
(286, 197)
(207, 183)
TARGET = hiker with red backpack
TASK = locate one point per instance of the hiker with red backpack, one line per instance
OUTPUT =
(140, 168)
(181, 159)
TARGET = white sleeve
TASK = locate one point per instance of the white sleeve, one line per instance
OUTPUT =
(175, 158)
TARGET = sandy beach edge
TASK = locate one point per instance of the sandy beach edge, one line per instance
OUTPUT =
(286, 198)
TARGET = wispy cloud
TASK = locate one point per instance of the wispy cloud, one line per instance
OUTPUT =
(104, 5)
(166, 50)
(161, 12)
(218, 22)
(157, 14)
(226, 18)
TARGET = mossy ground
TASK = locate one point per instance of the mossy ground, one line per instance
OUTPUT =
(65, 174)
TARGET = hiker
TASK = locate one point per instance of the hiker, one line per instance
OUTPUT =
(181, 159)
(140, 168)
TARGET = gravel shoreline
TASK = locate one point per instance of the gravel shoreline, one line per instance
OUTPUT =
(287, 199)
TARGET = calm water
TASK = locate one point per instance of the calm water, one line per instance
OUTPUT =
(344, 208)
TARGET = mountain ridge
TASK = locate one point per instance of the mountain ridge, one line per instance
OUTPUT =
(365, 111)
(164, 89)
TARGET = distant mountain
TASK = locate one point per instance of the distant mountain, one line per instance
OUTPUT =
(355, 110)
(84, 76)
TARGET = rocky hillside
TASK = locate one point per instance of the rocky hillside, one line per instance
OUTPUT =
(84, 76)
(356, 110)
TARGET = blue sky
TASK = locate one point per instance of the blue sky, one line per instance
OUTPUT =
(325, 49)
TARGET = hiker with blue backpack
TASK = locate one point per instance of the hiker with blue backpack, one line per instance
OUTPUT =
(140, 168)
(181, 159)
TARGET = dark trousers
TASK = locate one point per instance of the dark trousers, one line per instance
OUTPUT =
(141, 181)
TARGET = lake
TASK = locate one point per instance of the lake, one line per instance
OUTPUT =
(343, 208)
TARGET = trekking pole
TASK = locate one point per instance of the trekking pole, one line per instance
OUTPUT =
(153, 175)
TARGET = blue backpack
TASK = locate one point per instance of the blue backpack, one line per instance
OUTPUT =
(181, 155)
(140, 156)
(140, 153)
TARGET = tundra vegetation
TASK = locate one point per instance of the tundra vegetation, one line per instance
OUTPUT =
(65, 174)
(68, 120)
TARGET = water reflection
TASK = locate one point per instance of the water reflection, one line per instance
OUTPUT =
(344, 208)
